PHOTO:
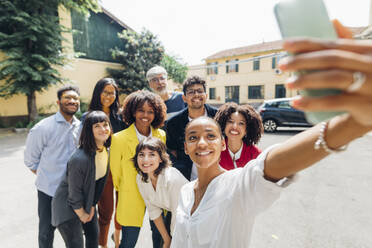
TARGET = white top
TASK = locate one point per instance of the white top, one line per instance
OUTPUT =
(168, 187)
(141, 137)
(236, 156)
(226, 213)
(194, 169)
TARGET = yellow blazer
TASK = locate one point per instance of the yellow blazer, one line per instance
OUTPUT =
(131, 207)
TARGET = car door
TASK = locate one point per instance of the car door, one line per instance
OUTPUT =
(288, 114)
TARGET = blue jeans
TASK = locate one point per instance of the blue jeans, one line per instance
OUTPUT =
(72, 233)
(46, 230)
(129, 236)
(157, 240)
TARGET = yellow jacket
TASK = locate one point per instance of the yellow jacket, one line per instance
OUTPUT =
(131, 207)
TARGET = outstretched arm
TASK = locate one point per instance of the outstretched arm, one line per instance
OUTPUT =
(298, 152)
(333, 65)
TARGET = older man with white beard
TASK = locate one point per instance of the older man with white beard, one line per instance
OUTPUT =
(157, 78)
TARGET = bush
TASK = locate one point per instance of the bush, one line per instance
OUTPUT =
(33, 123)
(21, 124)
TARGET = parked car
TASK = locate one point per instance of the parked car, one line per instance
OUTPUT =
(279, 113)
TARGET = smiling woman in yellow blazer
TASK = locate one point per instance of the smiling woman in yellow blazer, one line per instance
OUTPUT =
(145, 112)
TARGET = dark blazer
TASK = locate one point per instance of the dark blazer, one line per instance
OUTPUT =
(175, 129)
(78, 189)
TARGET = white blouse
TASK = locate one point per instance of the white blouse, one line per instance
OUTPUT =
(168, 188)
(226, 213)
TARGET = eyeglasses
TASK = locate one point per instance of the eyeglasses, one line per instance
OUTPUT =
(108, 94)
(69, 98)
(193, 92)
(158, 79)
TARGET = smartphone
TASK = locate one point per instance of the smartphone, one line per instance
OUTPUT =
(307, 19)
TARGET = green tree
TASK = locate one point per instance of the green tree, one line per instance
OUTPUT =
(31, 38)
(175, 68)
(141, 52)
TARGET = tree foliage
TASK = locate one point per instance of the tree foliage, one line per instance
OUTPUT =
(31, 38)
(175, 68)
(141, 52)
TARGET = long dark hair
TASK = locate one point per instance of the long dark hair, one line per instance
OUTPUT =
(153, 144)
(95, 102)
(87, 141)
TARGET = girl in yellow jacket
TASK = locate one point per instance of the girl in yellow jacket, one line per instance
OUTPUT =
(145, 112)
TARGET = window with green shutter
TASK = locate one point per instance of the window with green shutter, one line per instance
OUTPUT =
(95, 36)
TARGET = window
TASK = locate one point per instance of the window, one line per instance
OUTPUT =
(232, 66)
(284, 105)
(256, 64)
(212, 93)
(232, 94)
(97, 36)
(212, 68)
(280, 91)
(274, 61)
(255, 92)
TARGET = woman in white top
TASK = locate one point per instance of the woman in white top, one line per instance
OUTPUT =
(158, 183)
(218, 209)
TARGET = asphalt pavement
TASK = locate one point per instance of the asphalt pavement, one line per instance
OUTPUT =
(329, 206)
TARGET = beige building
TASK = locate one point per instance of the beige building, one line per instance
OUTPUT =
(99, 34)
(247, 74)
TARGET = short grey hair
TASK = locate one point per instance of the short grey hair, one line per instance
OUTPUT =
(156, 70)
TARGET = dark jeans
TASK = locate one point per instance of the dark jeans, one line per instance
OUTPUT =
(129, 236)
(157, 240)
(46, 230)
(72, 233)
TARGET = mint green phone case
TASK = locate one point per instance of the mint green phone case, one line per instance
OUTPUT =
(307, 18)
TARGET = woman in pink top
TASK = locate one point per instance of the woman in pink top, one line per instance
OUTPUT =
(242, 128)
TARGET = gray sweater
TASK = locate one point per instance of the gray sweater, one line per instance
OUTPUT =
(78, 189)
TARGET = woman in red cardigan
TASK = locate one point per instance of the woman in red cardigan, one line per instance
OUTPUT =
(242, 128)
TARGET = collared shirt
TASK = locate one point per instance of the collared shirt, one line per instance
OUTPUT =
(168, 188)
(49, 145)
(227, 211)
(141, 137)
(194, 169)
(236, 156)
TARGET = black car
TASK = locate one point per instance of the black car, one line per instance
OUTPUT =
(279, 113)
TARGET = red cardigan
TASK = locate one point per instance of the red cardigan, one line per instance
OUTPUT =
(248, 153)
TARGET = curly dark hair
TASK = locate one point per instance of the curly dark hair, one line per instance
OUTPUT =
(153, 144)
(254, 127)
(192, 81)
(135, 100)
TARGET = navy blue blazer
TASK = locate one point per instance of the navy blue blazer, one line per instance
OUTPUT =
(175, 130)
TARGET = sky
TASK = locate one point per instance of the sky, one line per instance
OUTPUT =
(196, 29)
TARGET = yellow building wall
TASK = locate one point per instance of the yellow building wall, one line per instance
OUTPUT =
(82, 72)
(245, 77)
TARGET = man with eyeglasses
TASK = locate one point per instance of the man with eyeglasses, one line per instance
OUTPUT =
(49, 145)
(157, 78)
(195, 96)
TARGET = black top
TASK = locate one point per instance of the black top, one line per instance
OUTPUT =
(175, 129)
(79, 188)
(115, 120)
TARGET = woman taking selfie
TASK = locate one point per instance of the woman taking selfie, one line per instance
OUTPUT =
(219, 208)
(73, 206)
(106, 98)
(145, 112)
(242, 128)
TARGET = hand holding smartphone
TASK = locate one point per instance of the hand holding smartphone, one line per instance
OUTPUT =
(307, 19)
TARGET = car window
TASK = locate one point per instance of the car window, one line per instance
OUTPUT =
(284, 104)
